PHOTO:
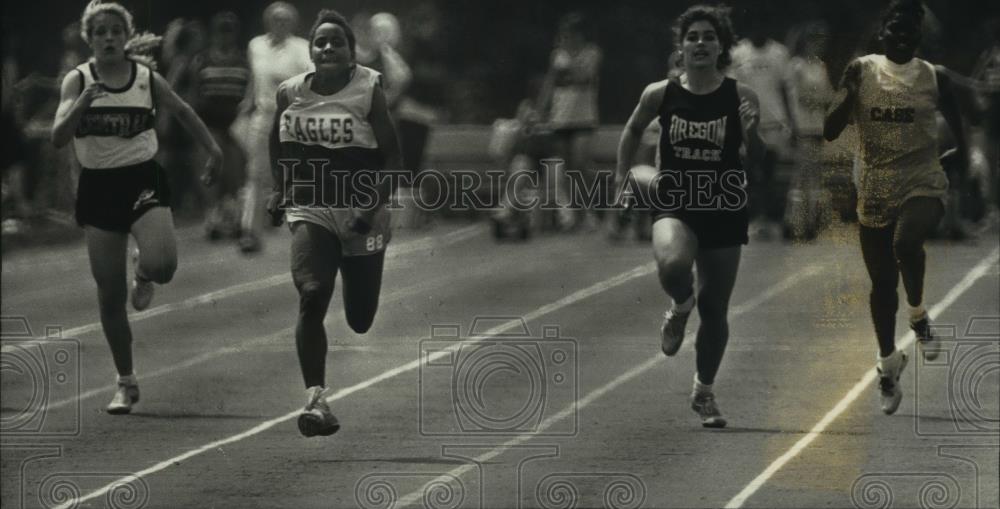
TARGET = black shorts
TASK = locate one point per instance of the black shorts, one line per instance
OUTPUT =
(715, 229)
(114, 198)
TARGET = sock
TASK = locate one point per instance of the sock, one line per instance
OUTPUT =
(686, 306)
(700, 388)
(887, 358)
(917, 313)
(127, 379)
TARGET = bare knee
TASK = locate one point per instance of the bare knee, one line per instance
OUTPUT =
(314, 296)
(360, 324)
(674, 268)
(161, 272)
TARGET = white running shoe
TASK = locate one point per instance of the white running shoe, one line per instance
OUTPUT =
(316, 418)
(126, 395)
(142, 289)
(889, 369)
(672, 331)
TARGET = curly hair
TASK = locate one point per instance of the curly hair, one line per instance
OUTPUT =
(332, 16)
(913, 9)
(96, 7)
(718, 16)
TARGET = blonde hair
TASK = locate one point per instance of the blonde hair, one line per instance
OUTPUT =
(96, 7)
(138, 47)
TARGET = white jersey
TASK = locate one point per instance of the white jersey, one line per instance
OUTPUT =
(765, 71)
(330, 136)
(273, 64)
(897, 125)
(333, 122)
(117, 130)
(324, 136)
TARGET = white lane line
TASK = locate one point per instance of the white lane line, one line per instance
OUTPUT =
(573, 298)
(283, 334)
(981, 269)
(405, 248)
(69, 257)
(417, 496)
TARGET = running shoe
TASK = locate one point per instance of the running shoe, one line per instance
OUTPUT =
(142, 288)
(316, 418)
(889, 369)
(249, 243)
(126, 395)
(929, 345)
(708, 411)
(672, 331)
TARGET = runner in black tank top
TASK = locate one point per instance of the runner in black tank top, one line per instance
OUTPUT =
(707, 121)
(700, 139)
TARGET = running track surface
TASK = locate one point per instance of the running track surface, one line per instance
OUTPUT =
(580, 410)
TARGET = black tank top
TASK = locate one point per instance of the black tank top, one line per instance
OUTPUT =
(701, 134)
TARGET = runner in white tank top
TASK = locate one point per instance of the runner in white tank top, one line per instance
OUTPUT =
(107, 107)
(894, 98)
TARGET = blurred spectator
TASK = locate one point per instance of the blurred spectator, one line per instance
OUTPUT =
(182, 40)
(15, 207)
(987, 71)
(762, 63)
(569, 97)
(810, 93)
(39, 182)
(420, 104)
(274, 57)
(377, 39)
(219, 77)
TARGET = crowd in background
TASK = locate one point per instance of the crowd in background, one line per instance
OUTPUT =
(565, 68)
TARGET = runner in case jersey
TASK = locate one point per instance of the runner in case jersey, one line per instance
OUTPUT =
(894, 99)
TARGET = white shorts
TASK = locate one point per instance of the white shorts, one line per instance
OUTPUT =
(335, 221)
